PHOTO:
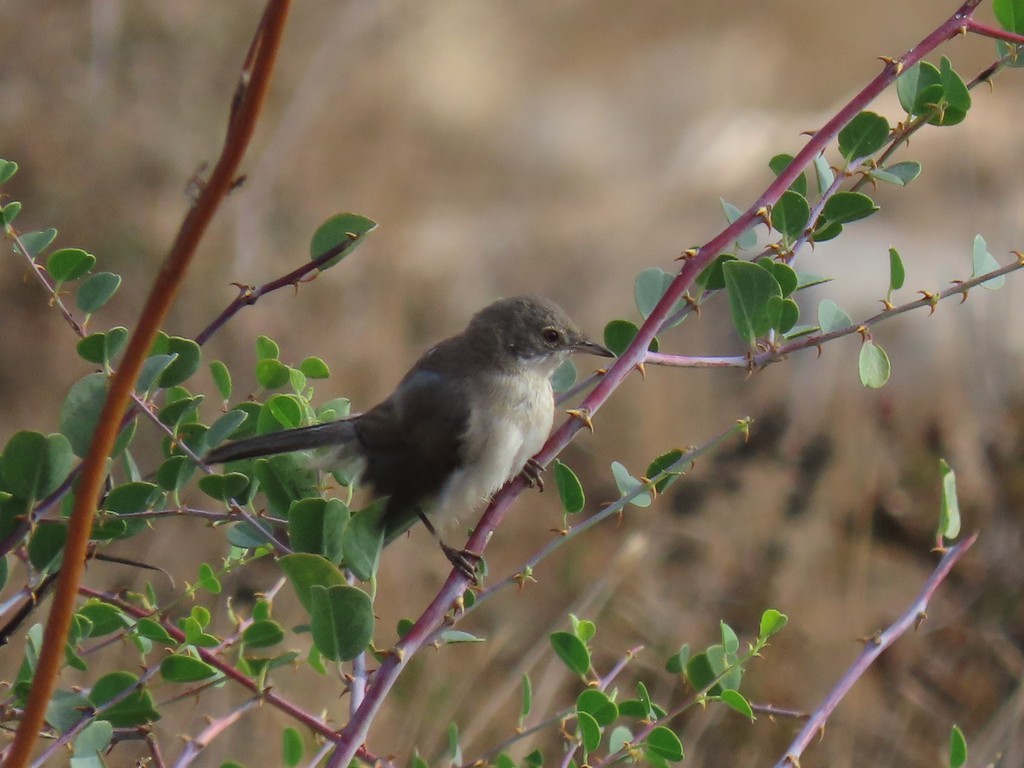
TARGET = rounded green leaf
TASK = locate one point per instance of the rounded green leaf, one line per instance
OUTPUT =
(772, 621)
(750, 287)
(619, 334)
(153, 630)
(341, 621)
(572, 651)
(949, 514)
(844, 207)
(9, 212)
(597, 704)
(184, 365)
(983, 262)
(33, 464)
(343, 232)
(104, 617)
(286, 410)
(790, 214)
(589, 732)
(291, 746)
(225, 427)
(863, 136)
(1009, 14)
(919, 88)
(314, 368)
(272, 374)
(873, 365)
(305, 571)
(136, 496)
(736, 700)
(712, 278)
(570, 489)
(662, 742)
(262, 634)
(96, 291)
(362, 541)
(283, 479)
(46, 546)
(135, 709)
(627, 484)
(208, 579)
(7, 170)
(831, 318)
(69, 264)
(897, 274)
(564, 376)
(37, 242)
(181, 668)
(779, 163)
(175, 472)
(957, 742)
(224, 487)
(661, 464)
(649, 287)
(221, 378)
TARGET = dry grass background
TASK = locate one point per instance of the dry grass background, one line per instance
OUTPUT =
(560, 148)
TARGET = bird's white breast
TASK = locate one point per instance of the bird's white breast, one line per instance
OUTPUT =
(498, 440)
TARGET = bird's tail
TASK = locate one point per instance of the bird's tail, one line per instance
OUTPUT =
(333, 433)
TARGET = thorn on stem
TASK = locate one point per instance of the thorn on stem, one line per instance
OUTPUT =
(583, 414)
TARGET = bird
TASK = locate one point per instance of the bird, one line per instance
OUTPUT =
(467, 417)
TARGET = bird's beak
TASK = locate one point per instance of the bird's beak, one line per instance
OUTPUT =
(592, 347)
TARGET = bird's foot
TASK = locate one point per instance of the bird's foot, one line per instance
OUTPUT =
(532, 474)
(465, 562)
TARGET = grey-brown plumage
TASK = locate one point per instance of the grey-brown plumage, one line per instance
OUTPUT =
(464, 420)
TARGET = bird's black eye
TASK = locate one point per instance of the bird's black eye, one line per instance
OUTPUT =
(551, 335)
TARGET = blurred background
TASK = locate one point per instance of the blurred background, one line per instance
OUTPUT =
(561, 148)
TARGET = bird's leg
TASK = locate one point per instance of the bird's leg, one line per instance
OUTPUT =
(532, 474)
(464, 561)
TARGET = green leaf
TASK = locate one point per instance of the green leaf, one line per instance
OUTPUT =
(315, 525)
(904, 172)
(949, 514)
(90, 743)
(897, 274)
(784, 274)
(779, 163)
(7, 170)
(526, 703)
(844, 207)
(284, 411)
(627, 484)
(649, 287)
(96, 291)
(283, 479)
(332, 410)
(662, 742)
(362, 541)
(305, 571)
(583, 628)
(790, 214)
(570, 490)
(983, 262)
(153, 630)
(772, 621)
(712, 278)
(267, 348)
(9, 212)
(34, 465)
(341, 621)
(36, 242)
(291, 746)
(564, 376)
(661, 464)
(863, 136)
(134, 710)
(736, 700)
(619, 738)
(783, 314)
(46, 546)
(824, 174)
(208, 579)
(597, 704)
(748, 239)
(750, 287)
(957, 742)
(337, 230)
(572, 651)
(272, 374)
(224, 427)
(873, 365)
(676, 663)
(185, 364)
(730, 642)
(181, 668)
(699, 672)
(151, 370)
(919, 88)
(314, 368)
(175, 472)
(104, 618)
(263, 634)
(619, 334)
(589, 732)
(831, 318)
(221, 378)
(68, 264)
(101, 348)
(954, 93)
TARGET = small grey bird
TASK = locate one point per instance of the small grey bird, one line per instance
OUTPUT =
(465, 419)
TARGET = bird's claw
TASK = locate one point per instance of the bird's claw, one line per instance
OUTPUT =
(532, 474)
(464, 561)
